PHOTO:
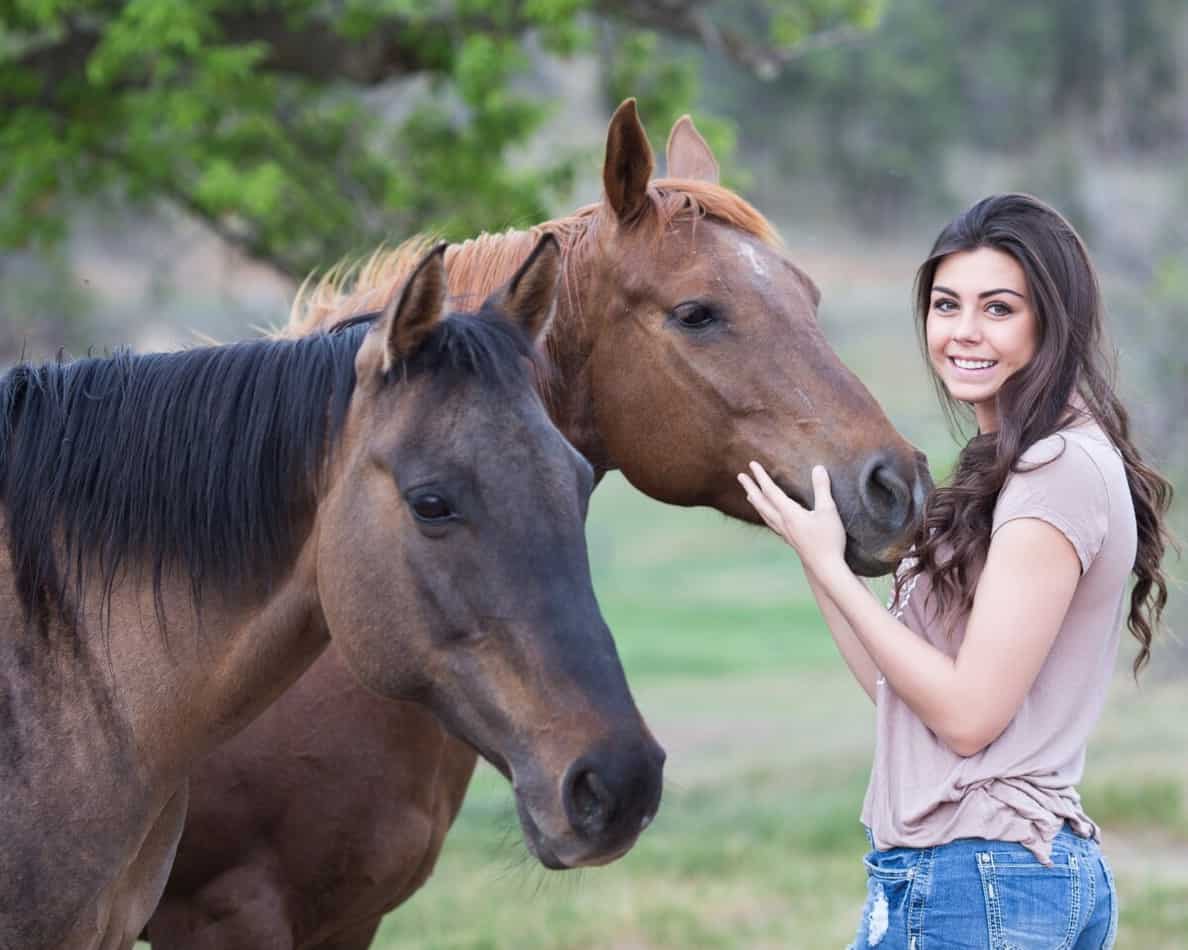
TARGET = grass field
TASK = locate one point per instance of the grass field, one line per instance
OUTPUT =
(758, 843)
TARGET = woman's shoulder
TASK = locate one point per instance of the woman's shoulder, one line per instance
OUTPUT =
(1067, 469)
(1072, 479)
(1077, 449)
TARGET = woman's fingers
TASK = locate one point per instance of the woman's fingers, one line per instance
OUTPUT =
(822, 490)
(787, 507)
(811, 532)
(764, 481)
(761, 504)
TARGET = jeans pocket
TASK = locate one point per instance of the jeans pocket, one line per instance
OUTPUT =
(1030, 906)
(889, 877)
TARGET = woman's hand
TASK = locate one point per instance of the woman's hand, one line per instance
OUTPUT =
(817, 534)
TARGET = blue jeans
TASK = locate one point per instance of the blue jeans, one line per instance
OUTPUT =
(975, 894)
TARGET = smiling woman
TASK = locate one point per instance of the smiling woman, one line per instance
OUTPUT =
(981, 329)
(991, 667)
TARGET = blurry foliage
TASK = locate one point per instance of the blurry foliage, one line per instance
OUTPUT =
(250, 115)
(257, 118)
(1156, 364)
(877, 116)
(294, 167)
(665, 80)
(1168, 356)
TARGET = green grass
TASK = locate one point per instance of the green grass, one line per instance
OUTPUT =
(675, 616)
(691, 640)
(726, 864)
(1139, 802)
(1154, 918)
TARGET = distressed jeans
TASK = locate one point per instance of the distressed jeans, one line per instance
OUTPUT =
(975, 894)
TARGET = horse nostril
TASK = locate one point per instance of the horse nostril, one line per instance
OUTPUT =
(591, 803)
(885, 495)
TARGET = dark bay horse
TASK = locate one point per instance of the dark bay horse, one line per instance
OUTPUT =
(684, 345)
(184, 533)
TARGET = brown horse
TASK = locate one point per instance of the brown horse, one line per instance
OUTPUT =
(685, 344)
(218, 515)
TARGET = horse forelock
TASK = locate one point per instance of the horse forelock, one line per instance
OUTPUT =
(677, 198)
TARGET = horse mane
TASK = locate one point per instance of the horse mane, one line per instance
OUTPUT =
(479, 265)
(204, 463)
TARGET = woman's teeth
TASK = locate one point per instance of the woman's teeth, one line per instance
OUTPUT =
(973, 364)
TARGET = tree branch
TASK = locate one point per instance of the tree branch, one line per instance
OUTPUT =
(257, 250)
(313, 50)
(396, 47)
(685, 18)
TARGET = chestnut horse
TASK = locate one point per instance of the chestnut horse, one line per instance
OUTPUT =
(685, 344)
(184, 533)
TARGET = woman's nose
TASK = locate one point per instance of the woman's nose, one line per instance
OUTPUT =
(968, 326)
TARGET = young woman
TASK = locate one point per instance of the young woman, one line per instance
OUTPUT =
(991, 667)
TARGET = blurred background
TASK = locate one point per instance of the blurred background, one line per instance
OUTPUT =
(170, 172)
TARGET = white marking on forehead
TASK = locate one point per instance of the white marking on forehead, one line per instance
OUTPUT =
(747, 250)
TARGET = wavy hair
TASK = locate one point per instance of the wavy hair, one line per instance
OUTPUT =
(1071, 366)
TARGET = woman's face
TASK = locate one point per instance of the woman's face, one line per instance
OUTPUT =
(980, 328)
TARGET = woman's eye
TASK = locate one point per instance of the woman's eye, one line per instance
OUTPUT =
(694, 316)
(432, 508)
(944, 306)
(998, 310)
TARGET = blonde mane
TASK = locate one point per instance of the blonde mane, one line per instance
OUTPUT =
(479, 265)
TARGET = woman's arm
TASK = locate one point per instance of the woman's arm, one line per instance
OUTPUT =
(1022, 596)
(848, 644)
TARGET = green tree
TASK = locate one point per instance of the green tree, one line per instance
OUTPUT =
(250, 115)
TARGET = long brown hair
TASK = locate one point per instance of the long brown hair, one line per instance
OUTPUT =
(1071, 360)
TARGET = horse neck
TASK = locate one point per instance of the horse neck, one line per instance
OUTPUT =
(225, 645)
(230, 661)
(479, 266)
(247, 645)
(153, 700)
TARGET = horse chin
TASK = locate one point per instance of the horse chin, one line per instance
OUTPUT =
(865, 564)
(547, 858)
(555, 855)
(535, 840)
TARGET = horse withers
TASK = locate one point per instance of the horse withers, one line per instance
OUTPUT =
(184, 533)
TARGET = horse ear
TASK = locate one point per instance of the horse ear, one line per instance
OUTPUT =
(412, 313)
(688, 154)
(530, 296)
(628, 165)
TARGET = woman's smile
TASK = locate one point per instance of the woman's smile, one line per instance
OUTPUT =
(972, 365)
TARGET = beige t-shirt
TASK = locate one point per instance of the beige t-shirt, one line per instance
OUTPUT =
(1021, 787)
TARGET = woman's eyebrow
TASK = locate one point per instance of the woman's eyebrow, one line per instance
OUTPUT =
(938, 289)
(1000, 290)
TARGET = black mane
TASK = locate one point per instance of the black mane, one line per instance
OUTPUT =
(204, 463)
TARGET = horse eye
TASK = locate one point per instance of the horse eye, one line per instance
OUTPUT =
(432, 508)
(694, 316)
